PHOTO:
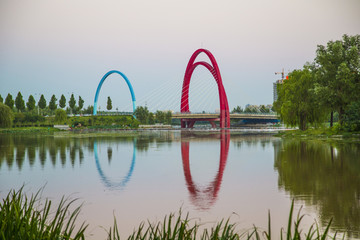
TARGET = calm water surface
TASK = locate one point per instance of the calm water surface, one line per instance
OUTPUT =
(147, 175)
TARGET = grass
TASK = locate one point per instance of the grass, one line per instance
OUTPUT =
(29, 130)
(26, 218)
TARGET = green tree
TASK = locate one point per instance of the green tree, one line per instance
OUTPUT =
(31, 103)
(160, 116)
(151, 118)
(89, 110)
(19, 102)
(81, 103)
(42, 102)
(337, 74)
(142, 114)
(109, 104)
(6, 116)
(297, 103)
(9, 101)
(52, 103)
(60, 116)
(72, 102)
(237, 109)
(168, 117)
(62, 101)
(1, 99)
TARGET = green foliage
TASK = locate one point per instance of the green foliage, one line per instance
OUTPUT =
(9, 101)
(113, 122)
(81, 103)
(168, 117)
(89, 110)
(237, 109)
(1, 99)
(72, 102)
(19, 102)
(6, 116)
(159, 116)
(60, 116)
(352, 117)
(109, 104)
(337, 73)
(31, 103)
(62, 101)
(21, 218)
(42, 102)
(52, 103)
(142, 114)
(297, 103)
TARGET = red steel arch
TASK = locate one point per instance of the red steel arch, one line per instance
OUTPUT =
(214, 69)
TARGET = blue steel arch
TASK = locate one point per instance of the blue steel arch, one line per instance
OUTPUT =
(101, 83)
(107, 181)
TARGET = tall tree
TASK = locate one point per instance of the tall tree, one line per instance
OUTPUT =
(42, 102)
(9, 101)
(297, 103)
(1, 99)
(31, 103)
(142, 114)
(160, 116)
(337, 73)
(52, 103)
(19, 102)
(109, 104)
(72, 102)
(81, 103)
(62, 101)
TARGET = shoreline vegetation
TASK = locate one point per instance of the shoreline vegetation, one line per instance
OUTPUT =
(30, 217)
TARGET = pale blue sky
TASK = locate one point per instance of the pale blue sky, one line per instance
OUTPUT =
(65, 46)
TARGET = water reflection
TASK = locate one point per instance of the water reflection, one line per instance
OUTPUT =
(323, 175)
(110, 184)
(205, 197)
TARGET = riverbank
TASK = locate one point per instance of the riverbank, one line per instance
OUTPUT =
(321, 134)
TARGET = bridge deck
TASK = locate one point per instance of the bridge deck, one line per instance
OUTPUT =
(217, 115)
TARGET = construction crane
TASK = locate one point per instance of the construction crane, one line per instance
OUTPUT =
(282, 74)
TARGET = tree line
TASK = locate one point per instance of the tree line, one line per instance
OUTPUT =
(44, 108)
(325, 89)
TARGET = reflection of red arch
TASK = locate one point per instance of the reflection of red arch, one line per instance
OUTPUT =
(204, 198)
(214, 69)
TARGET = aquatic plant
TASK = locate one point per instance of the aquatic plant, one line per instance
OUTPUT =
(26, 218)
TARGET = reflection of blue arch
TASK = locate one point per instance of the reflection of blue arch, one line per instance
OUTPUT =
(108, 183)
(102, 81)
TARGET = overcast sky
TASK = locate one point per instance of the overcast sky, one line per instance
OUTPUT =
(66, 46)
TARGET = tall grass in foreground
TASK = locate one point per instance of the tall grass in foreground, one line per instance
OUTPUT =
(179, 227)
(24, 218)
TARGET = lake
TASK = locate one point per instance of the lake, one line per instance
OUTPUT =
(145, 175)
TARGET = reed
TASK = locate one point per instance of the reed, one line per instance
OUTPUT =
(25, 218)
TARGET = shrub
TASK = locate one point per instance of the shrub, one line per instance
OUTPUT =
(6, 116)
(60, 116)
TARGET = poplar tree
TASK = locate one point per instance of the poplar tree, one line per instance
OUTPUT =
(72, 102)
(109, 104)
(9, 101)
(31, 103)
(19, 102)
(42, 102)
(62, 101)
(1, 99)
(52, 103)
(81, 103)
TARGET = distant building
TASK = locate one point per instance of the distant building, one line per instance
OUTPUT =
(275, 95)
